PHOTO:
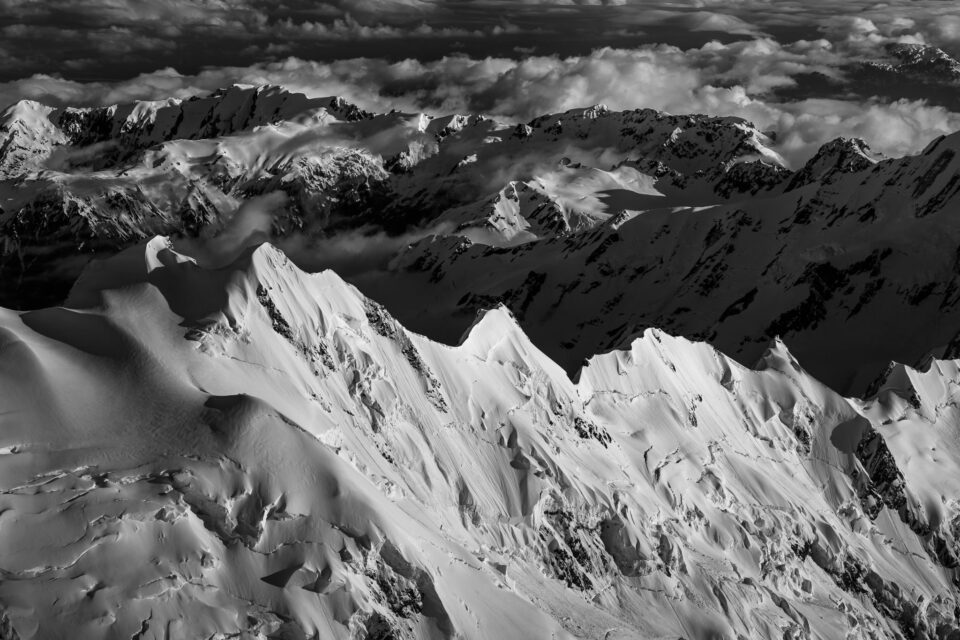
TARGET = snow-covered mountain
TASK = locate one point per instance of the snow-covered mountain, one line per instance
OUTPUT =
(492, 430)
(906, 71)
(33, 130)
(254, 451)
(77, 182)
(917, 63)
(94, 180)
(852, 260)
(591, 225)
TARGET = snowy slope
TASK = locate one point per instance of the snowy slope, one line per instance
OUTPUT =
(255, 450)
(27, 135)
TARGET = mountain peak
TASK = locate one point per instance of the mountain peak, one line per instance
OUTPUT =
(926, 59)
(491, 324)
(131, 127)
(777, 357)
(834, 159)
(27, 136)
(914, 64)
(25, 111)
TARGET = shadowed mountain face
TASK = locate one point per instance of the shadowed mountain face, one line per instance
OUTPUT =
(590, 225)
(850, 252)
(914, 71)
(253, 450)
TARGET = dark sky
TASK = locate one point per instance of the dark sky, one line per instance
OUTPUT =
(93, 40)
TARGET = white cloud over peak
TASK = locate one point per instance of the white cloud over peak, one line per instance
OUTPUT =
(722, 79)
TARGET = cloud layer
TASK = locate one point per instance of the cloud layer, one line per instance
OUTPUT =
(739, 78)
(99, 39)
(506, 58)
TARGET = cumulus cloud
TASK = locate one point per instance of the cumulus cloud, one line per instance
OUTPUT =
(895, 129)
(117, 38)
(740, 77)
(945, 29)
(353, 252)
(101, 37)
(659, 77)
(349, 252)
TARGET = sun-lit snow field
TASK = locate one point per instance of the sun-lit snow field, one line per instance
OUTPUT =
(253, 450)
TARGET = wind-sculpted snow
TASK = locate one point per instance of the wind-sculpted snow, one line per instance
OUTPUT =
(257, 451)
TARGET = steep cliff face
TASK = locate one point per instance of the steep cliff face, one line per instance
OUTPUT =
(259, 451)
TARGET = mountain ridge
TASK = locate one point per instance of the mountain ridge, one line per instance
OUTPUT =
(312, 467)
(699, 268)
(331, 185)
(119, 175)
